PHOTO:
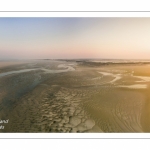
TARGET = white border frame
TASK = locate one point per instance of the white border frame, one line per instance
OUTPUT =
(74, 135)
(74, 14)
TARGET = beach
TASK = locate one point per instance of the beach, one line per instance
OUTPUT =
(72, 96)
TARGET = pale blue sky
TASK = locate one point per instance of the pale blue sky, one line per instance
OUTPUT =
(35, 38)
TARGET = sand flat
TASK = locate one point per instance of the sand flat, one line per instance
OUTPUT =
(76, 98)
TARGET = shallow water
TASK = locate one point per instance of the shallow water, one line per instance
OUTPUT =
(116, 76)
(14, 72)
(68, 68)
(135, 86)
(143, 78)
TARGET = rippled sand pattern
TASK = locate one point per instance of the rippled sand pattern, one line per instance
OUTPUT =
(55, 110)
(116, 111)
(79, 99)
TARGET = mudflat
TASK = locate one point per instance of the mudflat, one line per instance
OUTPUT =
(74, 96)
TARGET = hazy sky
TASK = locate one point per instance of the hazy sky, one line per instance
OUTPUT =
(34, 38)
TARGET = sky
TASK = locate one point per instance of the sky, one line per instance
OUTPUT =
(74, 38)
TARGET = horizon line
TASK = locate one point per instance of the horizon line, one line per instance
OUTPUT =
(74, 59)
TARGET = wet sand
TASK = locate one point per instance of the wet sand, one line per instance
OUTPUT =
(64, 96)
